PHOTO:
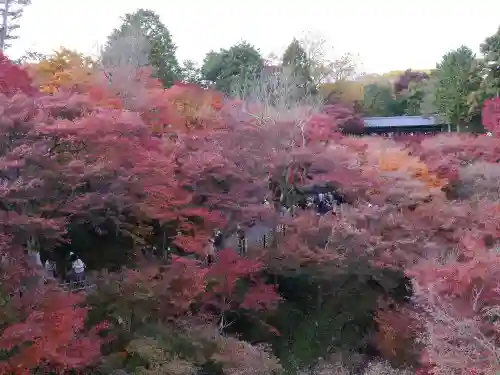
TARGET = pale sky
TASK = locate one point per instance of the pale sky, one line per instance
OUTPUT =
(386, 34)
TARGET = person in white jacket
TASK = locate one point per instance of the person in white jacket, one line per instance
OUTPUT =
(50, 268)
(78, 268)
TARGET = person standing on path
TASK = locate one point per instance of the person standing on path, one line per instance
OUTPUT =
(241, 240)
(50, 268)
(78, 268)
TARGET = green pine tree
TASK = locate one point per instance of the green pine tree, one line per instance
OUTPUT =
(161, 49)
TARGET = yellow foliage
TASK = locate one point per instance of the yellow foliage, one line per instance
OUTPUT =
(64, 69)
(192, 107)
(373, 79)
(393, 74)
(347, 92)
(160, 359)
(386, 79)
(396, 160)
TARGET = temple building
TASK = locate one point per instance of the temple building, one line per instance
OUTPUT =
(403, 125)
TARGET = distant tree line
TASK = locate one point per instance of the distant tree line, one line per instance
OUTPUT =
(454, 90)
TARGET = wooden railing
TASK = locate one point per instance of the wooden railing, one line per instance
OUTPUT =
(77, 286)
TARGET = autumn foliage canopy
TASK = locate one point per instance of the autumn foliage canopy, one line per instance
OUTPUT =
(129, 159)
(491, 118)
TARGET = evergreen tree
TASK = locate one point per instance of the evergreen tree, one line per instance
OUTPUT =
(161, 49)
(232, 67)
(296, 62)
(457, 78)
(10, 12)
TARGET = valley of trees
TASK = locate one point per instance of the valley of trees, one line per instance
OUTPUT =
(154, 172)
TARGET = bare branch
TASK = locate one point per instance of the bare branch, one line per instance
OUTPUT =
(326, 65)
(121, 60)
(476, 294)
(278, 96)
(130, 50)
(479, 180)
(456, 343)
(10, 12)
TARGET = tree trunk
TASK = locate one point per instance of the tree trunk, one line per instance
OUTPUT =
(3, 27)
(319, 298)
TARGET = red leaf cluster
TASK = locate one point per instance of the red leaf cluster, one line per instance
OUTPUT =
(409, 76)
(230, 283)
(491, 115)
(192, 108)
(344, 119)
(223, 277)
(395, 335)
(445, 153)
(167, 291)
(52, 336)
(14, 79)
(109, 155)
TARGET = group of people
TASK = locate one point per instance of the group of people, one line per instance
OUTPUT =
(75, 271)
(322, 202)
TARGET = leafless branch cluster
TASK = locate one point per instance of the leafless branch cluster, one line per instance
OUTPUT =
(480, 181)
(370, 368)
(456, 343)
(129, 50)
(277, 97)
(325, 65)
(10, 13)
(121, 59)
(31, 57)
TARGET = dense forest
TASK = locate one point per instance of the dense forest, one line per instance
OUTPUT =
(160, 218)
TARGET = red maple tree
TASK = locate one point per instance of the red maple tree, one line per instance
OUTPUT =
(491, 115)
(223, 279)
(43, 327)
(52, 337)
(109, 155)
(14, 79)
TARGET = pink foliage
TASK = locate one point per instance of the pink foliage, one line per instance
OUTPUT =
(222, 292)
(345, 118)
(52, 335)
(69, 157)
(14, 79)
(491, 115)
